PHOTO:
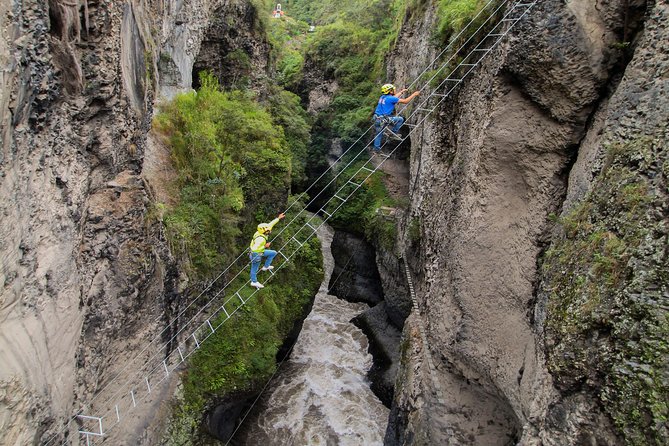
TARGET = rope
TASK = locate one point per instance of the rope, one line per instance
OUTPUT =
(343, 270)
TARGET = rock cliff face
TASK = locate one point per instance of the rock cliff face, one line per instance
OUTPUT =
(234, 50)
(86, 277)
(521, 140)
(81, 270)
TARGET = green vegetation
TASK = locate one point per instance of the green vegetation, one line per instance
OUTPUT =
(608, 285)
(455, 14)
(288, 113)
(234, 169)
(241, 354)
(360, 214)
(287, 36)
(231, 157)
(350, 49)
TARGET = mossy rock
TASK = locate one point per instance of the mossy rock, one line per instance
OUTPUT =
(607, 327)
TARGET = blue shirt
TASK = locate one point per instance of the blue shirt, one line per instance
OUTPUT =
(386, 105)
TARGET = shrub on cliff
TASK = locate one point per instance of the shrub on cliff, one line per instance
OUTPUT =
(232, 161)
(234, 169)
(361, 213)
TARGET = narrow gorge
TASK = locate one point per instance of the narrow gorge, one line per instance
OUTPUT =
(508, 262)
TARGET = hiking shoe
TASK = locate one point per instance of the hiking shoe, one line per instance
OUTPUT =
(393, 135)
(257, 285)
(267, 268)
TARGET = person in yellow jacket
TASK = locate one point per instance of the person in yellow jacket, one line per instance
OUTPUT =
(259, 245)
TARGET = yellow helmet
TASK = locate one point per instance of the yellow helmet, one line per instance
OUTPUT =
(263, 227)
(387, 88)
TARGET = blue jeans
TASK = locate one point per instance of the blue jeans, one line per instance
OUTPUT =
(397, 122)
(256, 258)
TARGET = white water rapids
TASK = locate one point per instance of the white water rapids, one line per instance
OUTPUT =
(321, 395)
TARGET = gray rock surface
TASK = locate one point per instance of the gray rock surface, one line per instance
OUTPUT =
(384, 340)
(355, 277)
(183, 25)
(486, 173)
(234, 47)
(86, 277)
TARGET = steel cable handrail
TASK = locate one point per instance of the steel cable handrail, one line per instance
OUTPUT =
(284, 227)
(371, 172)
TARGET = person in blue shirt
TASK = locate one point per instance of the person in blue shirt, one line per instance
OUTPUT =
(383, 115)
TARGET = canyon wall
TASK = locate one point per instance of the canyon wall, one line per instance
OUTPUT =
(87, 278)
(521, 139)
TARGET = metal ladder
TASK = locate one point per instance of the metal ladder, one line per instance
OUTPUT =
(154, 370)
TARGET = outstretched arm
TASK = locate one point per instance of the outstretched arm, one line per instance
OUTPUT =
(276, 220)
(400, 93)
(410, 98)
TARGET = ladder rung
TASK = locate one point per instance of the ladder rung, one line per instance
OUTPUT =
(495, 35)
(326, 212)
(344, 199)
(429, 110)
(283, 255)
(355, 184)
(240, 297)
(367, 169)
(227, 315)
(467, 64)
(509, 20)
(297, 241)
(452, 79)
(483, 49)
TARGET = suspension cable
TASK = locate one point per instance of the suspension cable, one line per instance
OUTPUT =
(207, 326)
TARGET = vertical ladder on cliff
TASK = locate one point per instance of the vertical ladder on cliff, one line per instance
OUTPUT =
(159, 367)
(436, 384)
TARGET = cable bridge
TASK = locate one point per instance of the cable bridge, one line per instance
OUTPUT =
(139, 379)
